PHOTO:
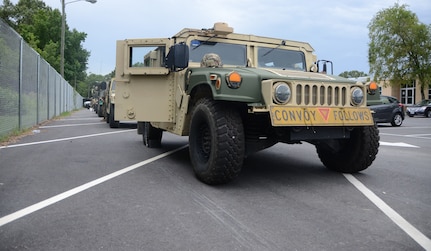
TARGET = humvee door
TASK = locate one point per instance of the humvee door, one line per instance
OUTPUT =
(144, 86)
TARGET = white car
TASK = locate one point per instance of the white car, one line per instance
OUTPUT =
(422, 108)
(87, 104)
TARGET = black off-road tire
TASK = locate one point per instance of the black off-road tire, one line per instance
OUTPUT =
(354, 154)
(152, 137)
(106, 117)
(216, 142)
(397, 120)
(100, 111)
(112, 122)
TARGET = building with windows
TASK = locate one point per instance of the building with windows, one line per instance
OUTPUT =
(408, 94)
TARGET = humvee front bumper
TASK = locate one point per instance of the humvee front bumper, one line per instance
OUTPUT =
(320, 116)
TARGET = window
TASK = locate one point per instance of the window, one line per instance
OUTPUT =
(408, 93)
(230, 54)
(282, 59)
(385, 100)
(151, 56)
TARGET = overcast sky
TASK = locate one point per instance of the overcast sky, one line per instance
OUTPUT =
(336, 29)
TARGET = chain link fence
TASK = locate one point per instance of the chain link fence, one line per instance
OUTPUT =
(31, 91)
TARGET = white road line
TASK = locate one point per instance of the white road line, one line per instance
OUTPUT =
(401, 128)
(79, 119)
(414, 233)
(54, 126)
(35, 207)
(420, 136)
(398, 144)
(64, 139)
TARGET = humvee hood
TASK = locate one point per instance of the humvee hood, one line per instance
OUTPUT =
(267, 73)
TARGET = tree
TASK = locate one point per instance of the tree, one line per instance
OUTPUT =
(352, 74)
(7, 10)
(110, 75)
(400, 47)
(40, 26)
(75, 56)
(21, 13)
(90, 81)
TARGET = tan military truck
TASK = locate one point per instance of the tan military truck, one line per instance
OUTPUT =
(109, 105)
(235, 94)
(98, 91)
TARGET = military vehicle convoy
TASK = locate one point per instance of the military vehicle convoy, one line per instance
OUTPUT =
(235, 94)
(109, 105)
(98, 91)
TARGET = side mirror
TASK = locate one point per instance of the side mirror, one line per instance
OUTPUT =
(178, 57)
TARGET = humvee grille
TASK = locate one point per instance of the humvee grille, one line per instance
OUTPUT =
(321, 95)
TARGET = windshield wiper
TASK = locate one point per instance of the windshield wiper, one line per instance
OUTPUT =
(204, 42)
(282, 43)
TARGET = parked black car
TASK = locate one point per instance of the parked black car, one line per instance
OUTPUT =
(387, 110)
(422, 108)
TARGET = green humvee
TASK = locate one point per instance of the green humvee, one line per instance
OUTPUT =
(235, 94)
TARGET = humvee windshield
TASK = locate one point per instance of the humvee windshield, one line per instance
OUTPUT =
(235, 54)
(230, 54)
(282, 59)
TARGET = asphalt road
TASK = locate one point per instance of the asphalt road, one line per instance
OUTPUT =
(79, 185)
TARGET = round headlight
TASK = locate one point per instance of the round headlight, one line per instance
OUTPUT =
(282, 93)
(357, 96)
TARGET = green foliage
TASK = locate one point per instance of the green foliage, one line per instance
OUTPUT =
(40, 26)
(95, 78)
(12, 134)
(65, 114)
(82, 88)
(7, 10)
(75, 56)
(85, 87)
(352, 74)
(110, 75)
(138, 64)
(51, 55)
(400, 47)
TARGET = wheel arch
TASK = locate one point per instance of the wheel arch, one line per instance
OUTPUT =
(203, 90)
(206, 91)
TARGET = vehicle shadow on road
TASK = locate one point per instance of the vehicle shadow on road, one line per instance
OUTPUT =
(128, 125)
(267, 166)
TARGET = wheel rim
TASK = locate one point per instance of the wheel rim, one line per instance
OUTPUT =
(397, 119)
